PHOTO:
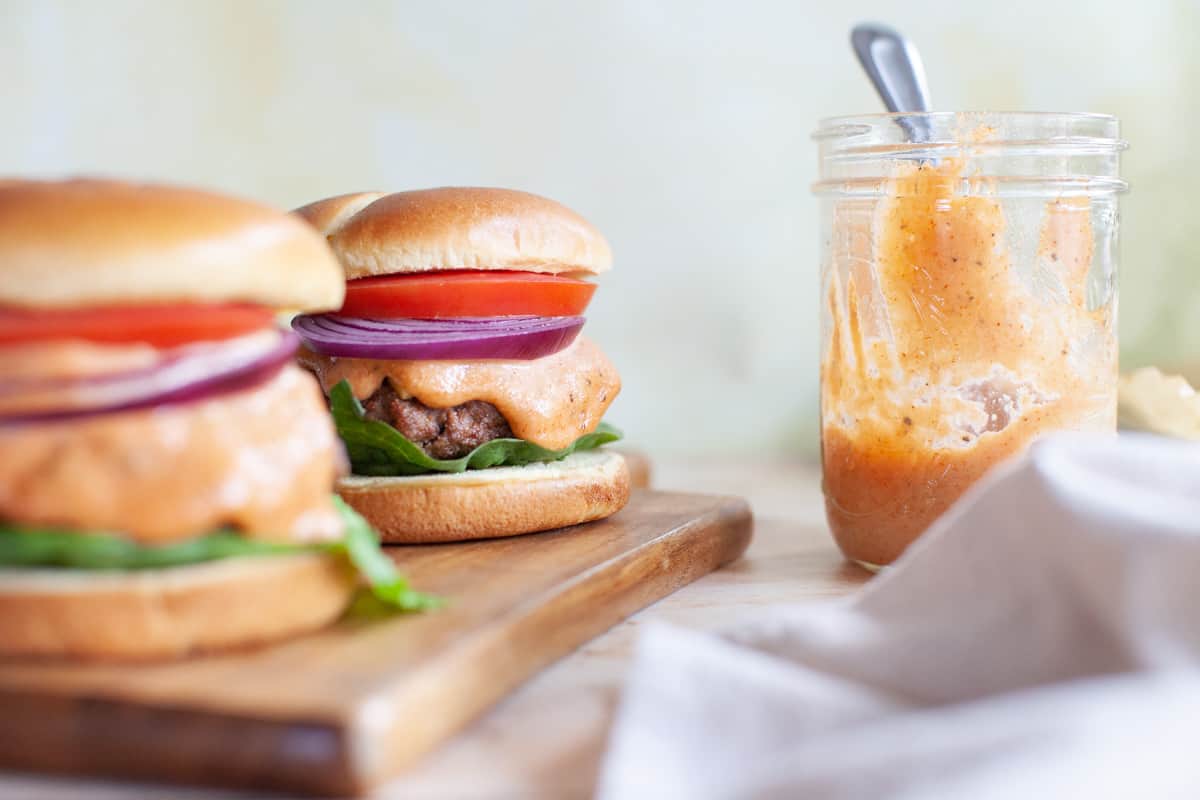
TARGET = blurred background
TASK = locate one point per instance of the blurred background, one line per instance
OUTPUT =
(680, 128)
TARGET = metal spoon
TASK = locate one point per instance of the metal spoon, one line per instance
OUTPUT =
(894, 67)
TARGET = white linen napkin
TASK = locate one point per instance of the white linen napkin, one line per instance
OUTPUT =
(1041, 640)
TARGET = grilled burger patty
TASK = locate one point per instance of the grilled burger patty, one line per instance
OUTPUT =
(443, 433)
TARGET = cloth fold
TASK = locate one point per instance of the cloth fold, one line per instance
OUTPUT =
(1041, 640)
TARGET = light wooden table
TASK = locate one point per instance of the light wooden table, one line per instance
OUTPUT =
(546, 739)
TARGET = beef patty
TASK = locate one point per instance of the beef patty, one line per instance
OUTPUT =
(440, 432)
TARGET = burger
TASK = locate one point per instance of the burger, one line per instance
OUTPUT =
(166, 472)
(468, 401)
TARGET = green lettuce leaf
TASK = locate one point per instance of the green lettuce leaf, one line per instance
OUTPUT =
(376, 448)
(388, 587)
(58, 547)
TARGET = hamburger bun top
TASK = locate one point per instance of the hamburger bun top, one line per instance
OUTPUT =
(456, 228)
(95, 242)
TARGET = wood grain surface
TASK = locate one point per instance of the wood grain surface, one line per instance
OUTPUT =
(337, 712)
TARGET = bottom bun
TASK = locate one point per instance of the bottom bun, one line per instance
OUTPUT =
(166, 613)
(485, 503)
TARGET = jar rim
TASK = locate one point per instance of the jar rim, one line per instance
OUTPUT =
(1019, 152)
(883, 116)
(862, 133)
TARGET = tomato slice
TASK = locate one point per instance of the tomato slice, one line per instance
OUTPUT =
(467, 293)
(167, 325)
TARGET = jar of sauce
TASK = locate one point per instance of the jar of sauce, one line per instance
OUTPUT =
(968, 305)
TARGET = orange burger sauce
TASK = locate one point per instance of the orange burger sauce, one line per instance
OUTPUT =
(954, 336)
(549, 401)
(261, 460)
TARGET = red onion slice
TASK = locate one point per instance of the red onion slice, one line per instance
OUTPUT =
(186, 374)
(460, 339)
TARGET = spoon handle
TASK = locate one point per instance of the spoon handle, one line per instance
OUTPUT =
(894, 67)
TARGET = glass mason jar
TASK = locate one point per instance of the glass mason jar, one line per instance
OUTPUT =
(968, 305)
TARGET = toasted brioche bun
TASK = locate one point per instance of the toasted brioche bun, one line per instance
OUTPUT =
(501, 501)
(167, 613)
(457, 228)
(330, 214)
(92, 242)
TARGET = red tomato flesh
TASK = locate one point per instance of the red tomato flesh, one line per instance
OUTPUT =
(162, 326)
(467, 293)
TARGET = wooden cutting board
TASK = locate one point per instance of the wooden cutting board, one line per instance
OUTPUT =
(337, 712)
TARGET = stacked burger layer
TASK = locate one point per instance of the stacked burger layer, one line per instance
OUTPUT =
(165, 470)
(469, 403)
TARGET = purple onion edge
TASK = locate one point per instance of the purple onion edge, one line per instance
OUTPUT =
(244, 377)
(526, 345)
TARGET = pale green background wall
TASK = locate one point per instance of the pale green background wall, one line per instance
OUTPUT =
(680, 128)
